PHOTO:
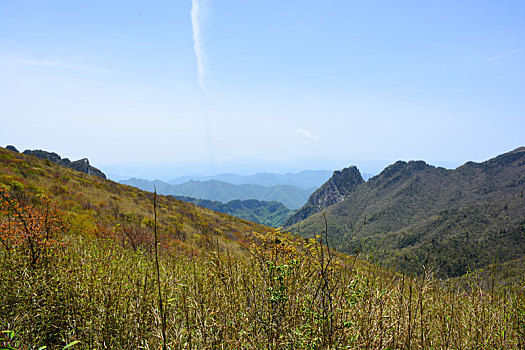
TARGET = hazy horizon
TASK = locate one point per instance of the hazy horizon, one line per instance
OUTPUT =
(197, 85)
(169, 171)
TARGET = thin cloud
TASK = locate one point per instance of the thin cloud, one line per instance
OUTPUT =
(199, 10)
(307, 134)
(505, 54)
(385, 93)
(17, 60)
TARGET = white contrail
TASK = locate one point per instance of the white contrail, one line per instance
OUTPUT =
(505, 54)
(198, 16)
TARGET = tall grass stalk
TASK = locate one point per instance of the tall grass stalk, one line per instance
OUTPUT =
(161, 308)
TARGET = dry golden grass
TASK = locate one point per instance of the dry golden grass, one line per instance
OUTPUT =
(224, 283)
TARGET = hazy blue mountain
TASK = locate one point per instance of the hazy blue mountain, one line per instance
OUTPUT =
(267, 213)
(305, 179)
(367, 176)
(291, 196)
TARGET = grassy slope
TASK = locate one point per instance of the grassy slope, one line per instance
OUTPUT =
(88, 199)
(273, 292)
(460, 219)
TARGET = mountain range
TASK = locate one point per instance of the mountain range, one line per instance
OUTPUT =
(85, 260)
(410, 215)
(291, 196)
(262, 212)
(305, 179)
(413, 214)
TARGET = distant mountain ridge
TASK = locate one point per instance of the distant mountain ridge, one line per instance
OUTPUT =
(415, 214)
(272, 214)
(81, 165)
(306, 179)
(292, 197)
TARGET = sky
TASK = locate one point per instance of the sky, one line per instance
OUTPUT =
(168, 88)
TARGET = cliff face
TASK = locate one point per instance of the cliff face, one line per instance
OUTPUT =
(81, 165)
(84, 166)
(342, 183)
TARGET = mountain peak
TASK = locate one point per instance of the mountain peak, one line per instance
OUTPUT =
(342, 182)
(11, 148)
(400, 170)
(333, 191)
(402, 166)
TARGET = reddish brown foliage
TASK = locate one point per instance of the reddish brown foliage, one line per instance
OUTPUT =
(34, 228)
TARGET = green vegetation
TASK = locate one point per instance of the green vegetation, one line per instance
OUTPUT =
(78, 269)
(272, 214)
(281, 293)
(417, 215)
(341, 184)
(89, 202)
(290, 196)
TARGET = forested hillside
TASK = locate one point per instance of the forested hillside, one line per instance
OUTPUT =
(413, 214)
(273, 214)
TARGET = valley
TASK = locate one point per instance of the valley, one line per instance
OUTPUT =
(291, 196)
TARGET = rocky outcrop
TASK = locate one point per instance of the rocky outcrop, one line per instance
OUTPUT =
(81, 165)
(55, 158)
(84, 166)
(12, 148)
(341, 184)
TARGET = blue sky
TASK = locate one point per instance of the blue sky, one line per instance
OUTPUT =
(284, 85)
